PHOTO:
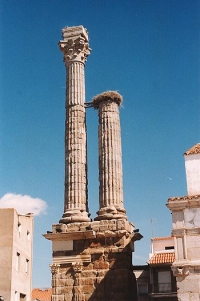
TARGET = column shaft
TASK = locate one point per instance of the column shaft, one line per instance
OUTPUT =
(75, 49)
(110, 157)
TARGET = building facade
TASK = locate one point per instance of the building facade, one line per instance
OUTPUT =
(186, 230)
(16, 242)
(155, 281)
(162, 280)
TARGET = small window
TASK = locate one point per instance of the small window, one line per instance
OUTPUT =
(27, 266)
(17, 261)
(28, 235)
(22, 297)
(16, 296)
(19, 229)
(142, 288)
(169, 248)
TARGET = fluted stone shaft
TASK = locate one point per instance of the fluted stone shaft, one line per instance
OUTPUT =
(110, 156)
(75, 49)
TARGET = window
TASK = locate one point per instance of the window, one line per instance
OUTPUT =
(17, 261)
(22, 297)
(27, 266)
(142, 288)
(169, 248)
(19, 228)
(28, 235)
(164, 282)
(16, 296)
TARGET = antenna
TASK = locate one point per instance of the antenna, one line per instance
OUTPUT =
(152, 229)
(152, 234)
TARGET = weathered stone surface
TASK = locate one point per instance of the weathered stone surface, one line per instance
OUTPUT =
(92, 260)
(75, 49)
(110, 157)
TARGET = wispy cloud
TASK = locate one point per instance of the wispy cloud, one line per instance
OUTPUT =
(23, 203)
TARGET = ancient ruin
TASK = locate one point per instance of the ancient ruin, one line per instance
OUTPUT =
(92, 260)
(75, 49)
(110, 156)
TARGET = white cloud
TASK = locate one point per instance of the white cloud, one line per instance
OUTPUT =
(23, 203)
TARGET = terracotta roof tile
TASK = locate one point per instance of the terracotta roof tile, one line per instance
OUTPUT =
(162, 238)
(41, 294)
(193, 150)
(185, 198)
(160, 258)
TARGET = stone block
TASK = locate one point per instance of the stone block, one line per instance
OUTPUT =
(101, 264)
(89, 274)
(69, 282)
(112, 225)
(68, 297)
(58, 297)
(194, 253)
(89, 267)
(188, 285)
(73, 227)
(103, 225)
(95, 225)
(87, 281)
(120, 224)
(100, 235)
(109, 233)
(83, 226)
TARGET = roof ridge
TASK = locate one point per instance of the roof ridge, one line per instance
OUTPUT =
(195, 149)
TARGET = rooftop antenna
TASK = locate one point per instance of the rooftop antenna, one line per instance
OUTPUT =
(152, 229)
(152, 234)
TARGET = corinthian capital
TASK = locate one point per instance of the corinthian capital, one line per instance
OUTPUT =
(75, 46)
(54, 268)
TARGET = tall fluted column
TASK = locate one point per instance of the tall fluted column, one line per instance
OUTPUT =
(110, 156)
(75, 48)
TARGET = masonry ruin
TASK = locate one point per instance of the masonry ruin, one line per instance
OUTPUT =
(92, 260)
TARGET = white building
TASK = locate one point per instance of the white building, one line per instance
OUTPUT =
(16, 241)
(186, 230)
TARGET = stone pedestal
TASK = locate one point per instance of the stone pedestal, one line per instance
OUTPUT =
(93, 261)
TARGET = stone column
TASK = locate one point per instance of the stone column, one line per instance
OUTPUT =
(110, 156)
(75, 48)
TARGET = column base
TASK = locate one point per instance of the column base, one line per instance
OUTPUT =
(76, 215)
(111, 212)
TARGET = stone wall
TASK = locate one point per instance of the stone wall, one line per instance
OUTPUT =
(98, 267)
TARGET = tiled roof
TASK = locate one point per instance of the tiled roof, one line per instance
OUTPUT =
(162, 238)
(41, 294)
(185, 198)
(165, 257)
(193, 150)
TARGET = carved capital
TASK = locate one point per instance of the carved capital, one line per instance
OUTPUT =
(77, 266)
(54, 268)
(75, 46)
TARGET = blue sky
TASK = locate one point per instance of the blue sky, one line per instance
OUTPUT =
(147, 50)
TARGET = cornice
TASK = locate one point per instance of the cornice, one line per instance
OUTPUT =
(181, 203)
